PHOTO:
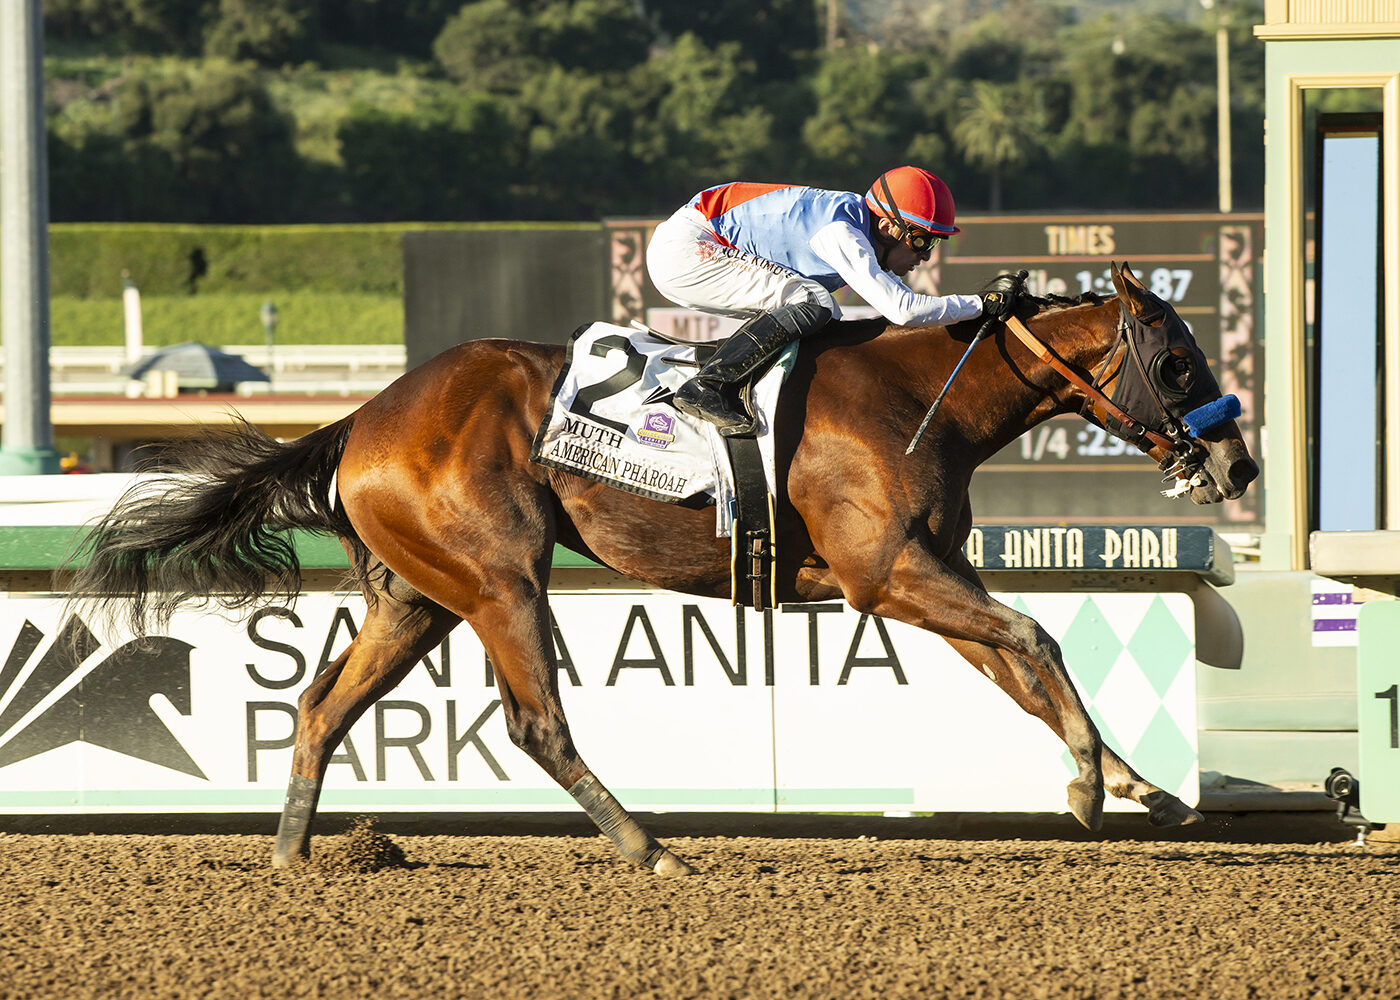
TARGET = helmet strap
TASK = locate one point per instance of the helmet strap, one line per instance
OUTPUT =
(896, 218)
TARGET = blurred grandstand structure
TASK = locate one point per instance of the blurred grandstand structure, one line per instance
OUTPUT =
(112, 414)
(309, 369)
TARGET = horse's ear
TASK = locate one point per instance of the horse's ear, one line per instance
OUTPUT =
(1123, 276)
(1134, 294)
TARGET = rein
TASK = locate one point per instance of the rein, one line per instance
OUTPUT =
(1162, 449)
(1175, 453)
(982, 332)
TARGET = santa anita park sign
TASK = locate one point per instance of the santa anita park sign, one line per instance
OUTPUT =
(677, 703)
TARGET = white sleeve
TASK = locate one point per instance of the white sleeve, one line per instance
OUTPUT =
(853, 257)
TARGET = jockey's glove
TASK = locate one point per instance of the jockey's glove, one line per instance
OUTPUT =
(999, 305)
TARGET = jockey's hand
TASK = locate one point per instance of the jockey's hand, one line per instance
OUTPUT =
(998, 305)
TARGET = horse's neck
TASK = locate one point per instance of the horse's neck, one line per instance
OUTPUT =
(1082, 336)
(1010, 396)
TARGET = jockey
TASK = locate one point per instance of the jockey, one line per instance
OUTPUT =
(773, 254)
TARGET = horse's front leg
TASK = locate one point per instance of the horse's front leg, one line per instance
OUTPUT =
(912, 585)
(1018, 679)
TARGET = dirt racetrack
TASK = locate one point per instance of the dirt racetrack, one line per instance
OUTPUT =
(205, 916)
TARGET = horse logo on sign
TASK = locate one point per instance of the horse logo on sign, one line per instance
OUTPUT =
(108, 707)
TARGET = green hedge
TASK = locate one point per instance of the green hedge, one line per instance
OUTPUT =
(87, 259)
(46, 547)
(331, 284)
(221, 320)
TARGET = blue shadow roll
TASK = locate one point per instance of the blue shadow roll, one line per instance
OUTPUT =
(1213, 414)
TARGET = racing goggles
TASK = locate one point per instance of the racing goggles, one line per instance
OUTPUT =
(920, 241)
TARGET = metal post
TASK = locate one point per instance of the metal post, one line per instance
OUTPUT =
(269, 322)
(131, 317)
(1222, 105)
(26, 447)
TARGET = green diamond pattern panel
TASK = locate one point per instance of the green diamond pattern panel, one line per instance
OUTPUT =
(1164, 755)
(1090, 648)
(1135, 671)
(1159, 646)
(1105, 731)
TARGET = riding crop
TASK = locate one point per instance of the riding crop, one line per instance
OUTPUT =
(985, 329)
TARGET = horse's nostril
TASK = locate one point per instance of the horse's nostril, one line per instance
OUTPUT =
(1243, 472)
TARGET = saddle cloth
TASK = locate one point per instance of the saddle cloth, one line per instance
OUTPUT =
(611, 420)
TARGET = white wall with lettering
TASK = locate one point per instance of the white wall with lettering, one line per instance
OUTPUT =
(677, 703)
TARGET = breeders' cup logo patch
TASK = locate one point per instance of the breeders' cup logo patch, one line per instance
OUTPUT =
(657, 430)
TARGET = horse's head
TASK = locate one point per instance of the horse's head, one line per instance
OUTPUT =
(1164, 384)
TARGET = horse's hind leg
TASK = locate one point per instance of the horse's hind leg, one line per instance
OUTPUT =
(400, 628)
(515, 630)
(498, 585)
(1017, 678)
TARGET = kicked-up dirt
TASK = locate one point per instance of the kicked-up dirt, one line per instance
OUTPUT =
(205, 916)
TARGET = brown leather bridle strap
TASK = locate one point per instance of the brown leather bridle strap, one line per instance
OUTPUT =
(1103, 407)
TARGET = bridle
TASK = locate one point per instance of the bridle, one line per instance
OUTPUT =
(1176, 452)
(1172, 441)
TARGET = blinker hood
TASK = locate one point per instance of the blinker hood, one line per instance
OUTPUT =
(1166, 375)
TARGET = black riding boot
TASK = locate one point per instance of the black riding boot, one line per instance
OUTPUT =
(713, 393)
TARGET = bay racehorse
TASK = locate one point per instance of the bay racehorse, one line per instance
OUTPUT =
(430, 488)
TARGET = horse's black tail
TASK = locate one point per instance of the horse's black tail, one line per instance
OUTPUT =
(211, 525)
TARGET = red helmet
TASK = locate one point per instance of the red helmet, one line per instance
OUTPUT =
(913, 197)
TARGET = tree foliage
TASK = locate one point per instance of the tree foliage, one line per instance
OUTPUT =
(219, 110)
(183, 146)
(129, 25)
(863, 117)
(773, 36)
(403, 26)
(450, 159)
(270, 32)
(699, 120)
(1002, 127)
(502, 44)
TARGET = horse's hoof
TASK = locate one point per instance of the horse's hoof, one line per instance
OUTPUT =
(290, 859)
(1086, 803)
(1165, 809)
(669, 864)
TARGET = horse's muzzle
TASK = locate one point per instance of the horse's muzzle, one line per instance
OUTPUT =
(1243, 471)
(1227, 477)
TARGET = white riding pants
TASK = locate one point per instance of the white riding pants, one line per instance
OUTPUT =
(691, 267)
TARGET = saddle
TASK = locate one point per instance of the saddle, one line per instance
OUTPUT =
(610, 420)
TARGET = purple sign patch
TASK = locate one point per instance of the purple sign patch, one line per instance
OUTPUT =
(657, 430)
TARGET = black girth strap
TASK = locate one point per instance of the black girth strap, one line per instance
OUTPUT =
(752, 539)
